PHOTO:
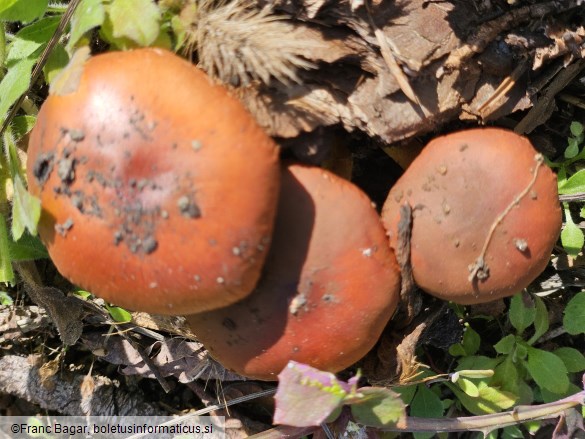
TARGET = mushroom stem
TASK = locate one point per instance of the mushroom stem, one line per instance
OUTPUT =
(479, 270)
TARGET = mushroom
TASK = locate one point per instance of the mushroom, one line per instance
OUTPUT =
(329, 286)
(158, 189)
(485, 215)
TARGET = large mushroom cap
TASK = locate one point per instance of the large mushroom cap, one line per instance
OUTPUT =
(330, 284)
(158, 189)
(486, 215)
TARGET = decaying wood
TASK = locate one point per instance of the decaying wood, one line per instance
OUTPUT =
(371, 69)
(68, 393)
(545, 105)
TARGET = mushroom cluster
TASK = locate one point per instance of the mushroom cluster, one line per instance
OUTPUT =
(163, 199)
(329, 287)
(172, 200)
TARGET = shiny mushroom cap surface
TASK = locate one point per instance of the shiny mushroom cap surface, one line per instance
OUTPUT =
(329, 286)
(158, 189)
(485, 215)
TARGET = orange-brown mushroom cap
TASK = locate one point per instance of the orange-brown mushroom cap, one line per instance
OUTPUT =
(329, 286)
(486, 215)
(158, 189)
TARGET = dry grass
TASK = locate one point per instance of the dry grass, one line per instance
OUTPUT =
(238, 43)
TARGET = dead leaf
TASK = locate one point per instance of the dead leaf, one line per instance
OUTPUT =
(183, 359)
(48, 370)
(567, 43)
(87, 387)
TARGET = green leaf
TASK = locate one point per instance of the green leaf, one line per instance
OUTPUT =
(426, 403)
(118, 314)
(27, 248)
(22, 10)
(57, 60)
(406, 392)
(547, 370)
(14, 84)
(506, 376)
(573, 359)
(576, 128)
(562, 176)
(88, 15)
(477, 362)
(574, 184)
(574, 318)
(11, 151)
(125, 28)
(179, 30)
(21, 125)
(506, 344)
(520, 352)
(378, 407)
(471, 341)
(6, 273)
(548, 396)
(473, 374)
(540, 320)
(490, 399)
(525, 393)
(31, 39)
(572, 149)
(469, 344)
(468, 387)
(457, 350)
(521, 315)
(83, 294)
(3, 48)
(512, 432)
(5, 299)
(26, 210)
(572, 238)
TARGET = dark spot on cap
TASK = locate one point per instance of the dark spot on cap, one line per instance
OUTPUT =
(43, 166)
(62, 229)
(66, 170)
(229, 324)
(76, 135)
(118, 237)
(149, 244)
(188, 208)
(77, 200)
(328, 298)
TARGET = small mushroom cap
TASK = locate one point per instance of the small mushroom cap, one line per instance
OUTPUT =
(330, 284)
(460, 187)
(158, 189)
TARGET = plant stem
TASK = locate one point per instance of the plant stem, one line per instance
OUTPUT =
(490, 422)
(483, 423)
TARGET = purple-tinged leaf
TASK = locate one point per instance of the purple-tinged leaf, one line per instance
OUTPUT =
(307, 397)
